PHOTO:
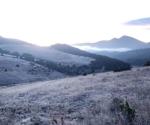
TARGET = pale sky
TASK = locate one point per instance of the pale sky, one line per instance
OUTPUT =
(45, 22)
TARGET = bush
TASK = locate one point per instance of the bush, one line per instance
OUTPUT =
(27, 57)
(15, 54)
(84, 74)
(122, 111)
(17, 65)
(147, 63)
(5, 70)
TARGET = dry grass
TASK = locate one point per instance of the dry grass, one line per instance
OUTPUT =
(83, 100)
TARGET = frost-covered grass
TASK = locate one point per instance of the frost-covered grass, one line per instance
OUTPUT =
(14, 70)
(82, 100)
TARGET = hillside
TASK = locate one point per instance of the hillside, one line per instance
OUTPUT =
(14, 70)
(73, 62)
(135, 57)
(72, 50)
(83, 100)
(99, 62)
(14, 45)
(9, 41)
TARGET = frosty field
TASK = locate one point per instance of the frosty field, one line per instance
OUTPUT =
(82, 100)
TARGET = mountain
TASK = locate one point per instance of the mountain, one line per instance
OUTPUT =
(75, 51)
(71, 63)
(123, 43)
(125, 48)
(71, 50)
(14, 45)
(9, 41)
(99, 62)
(83, 100)
(135, 57)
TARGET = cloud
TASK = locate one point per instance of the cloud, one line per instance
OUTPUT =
(139, 22)
(148, 28)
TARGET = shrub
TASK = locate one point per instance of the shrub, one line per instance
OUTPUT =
(17, 65)
(123, 112)
(84, 74)
(27, 57)
(5, 70)
(15, 54)
(147, 63)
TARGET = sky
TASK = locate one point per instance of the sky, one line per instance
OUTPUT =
(46, 22)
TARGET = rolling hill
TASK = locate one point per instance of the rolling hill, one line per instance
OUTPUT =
(99, 62)
(135, 57)
(14, 45)
(17, 71)
(73, 62)
(83, 100)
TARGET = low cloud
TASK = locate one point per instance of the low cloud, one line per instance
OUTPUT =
(148, 28)
(139, 22)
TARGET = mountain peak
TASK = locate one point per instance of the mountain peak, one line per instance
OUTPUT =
(125, 37)
(59, 45)
(124, 41)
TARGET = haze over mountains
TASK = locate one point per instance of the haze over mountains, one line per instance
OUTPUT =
(41, 52)
(125, 48)
(125, 42)
(63, 60)
(71, 62)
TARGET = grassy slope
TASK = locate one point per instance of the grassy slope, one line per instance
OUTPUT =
(76, 99)
(14, 70)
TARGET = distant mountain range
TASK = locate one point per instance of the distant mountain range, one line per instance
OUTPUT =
(125, 42)
(125, 48)
(61, 58)
(136, 57)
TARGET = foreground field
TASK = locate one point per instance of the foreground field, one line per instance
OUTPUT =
(121, 98)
